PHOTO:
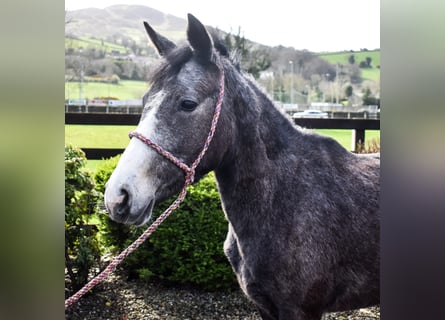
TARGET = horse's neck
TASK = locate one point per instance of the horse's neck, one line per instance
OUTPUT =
(261, 152)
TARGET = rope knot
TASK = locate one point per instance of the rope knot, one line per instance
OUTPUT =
(190, 177)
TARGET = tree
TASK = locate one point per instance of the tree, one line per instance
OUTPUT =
(237, 42)
(351, 59)
(252, 61)
(348, 91)
(369, 100)
(354, 74)
(258, 61)
(68, 19)
(368, 61)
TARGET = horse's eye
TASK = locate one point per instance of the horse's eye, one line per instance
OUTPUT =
(188, 105)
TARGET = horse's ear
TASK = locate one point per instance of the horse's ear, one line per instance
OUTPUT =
(199, 39)
(161, 43)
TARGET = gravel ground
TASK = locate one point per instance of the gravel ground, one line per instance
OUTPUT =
(118, 299)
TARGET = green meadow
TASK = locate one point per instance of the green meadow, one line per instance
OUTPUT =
(94, 136)
(372, 73)
(342, 57)
(124, 90)
(85, 43)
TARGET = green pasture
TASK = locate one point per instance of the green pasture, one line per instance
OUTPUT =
(125, 89)
(344, 137)
(342, 58)
(372, 74)
(94, 136)
(86, 43)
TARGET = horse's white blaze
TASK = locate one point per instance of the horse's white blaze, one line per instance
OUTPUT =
(134, 168)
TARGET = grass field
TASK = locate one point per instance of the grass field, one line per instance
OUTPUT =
(344, 137)
(371, 74)
(342, 58)
(86, 43)
(126, 89)
(117, 137)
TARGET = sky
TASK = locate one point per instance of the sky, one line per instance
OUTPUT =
(315, 25)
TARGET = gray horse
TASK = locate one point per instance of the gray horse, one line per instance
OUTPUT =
(303, 212)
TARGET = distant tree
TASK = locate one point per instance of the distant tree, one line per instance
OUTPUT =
(351, 59)
(252, 61)
(368, 61)
(368, 99)
(363, 64)
(77, 66)
(128, 68)
(135, 48)
(315, 65)
(237, 42)
(114, 38)
(68, 19)
(354, 74)
(366, 93)
(348, 91)
(258, 61)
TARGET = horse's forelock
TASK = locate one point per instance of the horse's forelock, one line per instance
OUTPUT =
(172, 63)
(177, 57)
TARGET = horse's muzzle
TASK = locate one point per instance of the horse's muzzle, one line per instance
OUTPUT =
(122, 207)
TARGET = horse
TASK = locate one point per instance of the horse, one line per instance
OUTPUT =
(302, 211)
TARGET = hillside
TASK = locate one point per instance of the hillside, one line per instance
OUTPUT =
(87, 42)
(372, 73)
(115, 46)
(122, 20)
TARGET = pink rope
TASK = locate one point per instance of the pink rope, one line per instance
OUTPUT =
(189, 178)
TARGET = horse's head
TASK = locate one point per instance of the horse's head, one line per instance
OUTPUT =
(177, 114)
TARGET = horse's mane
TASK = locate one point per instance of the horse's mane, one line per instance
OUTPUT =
(220, 46)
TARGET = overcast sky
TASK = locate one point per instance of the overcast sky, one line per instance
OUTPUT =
(315, 25)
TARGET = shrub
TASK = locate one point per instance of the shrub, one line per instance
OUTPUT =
(371, 146)
(187, 248)
(113, 235)
(81, 245)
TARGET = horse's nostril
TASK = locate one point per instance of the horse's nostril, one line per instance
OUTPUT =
(123, 202)
(125, 196)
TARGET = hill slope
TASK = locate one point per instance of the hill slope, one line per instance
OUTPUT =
(372, 73)
(123, 21)
(114, 41)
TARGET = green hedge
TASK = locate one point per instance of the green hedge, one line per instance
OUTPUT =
(82, 251)
(187, 248)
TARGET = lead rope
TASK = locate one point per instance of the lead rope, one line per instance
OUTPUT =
(189, 178)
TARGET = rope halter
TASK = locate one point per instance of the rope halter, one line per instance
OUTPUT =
(189, 171)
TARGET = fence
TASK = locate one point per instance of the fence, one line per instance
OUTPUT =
(359, 126)
(130, 109)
